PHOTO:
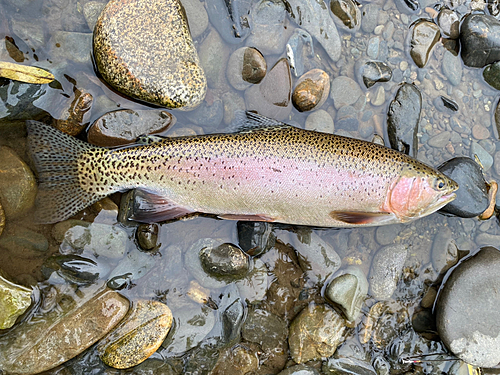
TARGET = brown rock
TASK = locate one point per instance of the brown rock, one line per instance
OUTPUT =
(73, 122)
(480, 132)
(42, 344)
(311, 91)
(124, 126)
(425, 36)
(139, 336)
(2, 219)
(143, 49)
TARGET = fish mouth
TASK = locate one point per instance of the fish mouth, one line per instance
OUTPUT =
(443, 200)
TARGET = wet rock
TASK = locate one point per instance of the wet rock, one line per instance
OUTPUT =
(483, 157)
(138, 336)
(270, 27)
(255, 237)
(299, 370)
(75, 269)
(377, 97)
(375, 71)
(373, 47)
(64, 332)
(134, 266)
(467, 310)
(156, 58)
(231, 316)
(14, 301)
(74, 119)
(147, 236)
(238, 359)
(320, 121)
(266, 329)
(315, 333)
(2, 219)
(230, 18)
(214, 55)
(191, 325)
(403, 118)
(452, 68)
(347, 366)
(100, 239)
(71, 46)
(491, 75)
(298, 50)
(408, 6)
(348, 13)
(313, 17)
(253, 286)
(311, 90)
(344, 91)
(449, 23)
(370, 13)
(225, 262)
(440, 140)
(472, 194)
(444, 253)
(24, 242)
(124, 126)
(445, 104)
(246, 66)
(91, 12)
(317, 258)
(209, 113)
(386, 234)
(197, 17)
(386, 268)
(271, 98)
(480, 132)
(480, 40)
(425, 35)
(348, 291)
(17, 185)
(233, 104)
(493, 7)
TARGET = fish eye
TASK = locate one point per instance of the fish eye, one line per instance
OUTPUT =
(439, 184)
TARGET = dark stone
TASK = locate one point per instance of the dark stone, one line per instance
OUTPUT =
(472, 194)
(491, 75)
(468, 309)
(147, 236)
(375, 71)
(255, 238)
(497, 117)
(75, 269)
(347, 366)
(224, 261)
(403, 118)
(445, 105)
(347, 11)
(449, 23)
(480, 40)
(230, 18)
(412, 5)
(254, 66)
(493, 7)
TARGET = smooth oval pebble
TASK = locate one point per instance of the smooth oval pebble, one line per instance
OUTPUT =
(375, 71)
(479, 40)
(425, 35)
(147, 236)
(311, 91)
(225, 261)
(449, 23)
(144, 49)
(347, 12)
(245, 67)
(138, 336)
(124, 126)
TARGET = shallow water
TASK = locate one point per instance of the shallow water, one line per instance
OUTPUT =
(35, 28)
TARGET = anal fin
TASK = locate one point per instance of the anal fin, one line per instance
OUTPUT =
(361, 218)
(149, 207)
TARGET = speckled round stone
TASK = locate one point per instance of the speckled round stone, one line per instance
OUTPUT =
(143, 49)
(138, 336)
(311, 91)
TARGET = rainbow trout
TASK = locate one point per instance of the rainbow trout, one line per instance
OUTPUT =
(269, 171)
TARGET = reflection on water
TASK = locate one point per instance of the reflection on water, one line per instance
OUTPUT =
(211, 316)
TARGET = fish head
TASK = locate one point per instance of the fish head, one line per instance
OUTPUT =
(419, 191)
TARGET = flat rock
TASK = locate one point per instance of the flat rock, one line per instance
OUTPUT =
(313, 16)
(344, 91)
(424, 38)
(468, 309)
(144, 50)
(42, 344)
(386, 268)
(17, 185)
(138, 336)
(124, 126)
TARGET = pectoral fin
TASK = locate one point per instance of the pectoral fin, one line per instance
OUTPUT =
(149, 207)
(361, 218)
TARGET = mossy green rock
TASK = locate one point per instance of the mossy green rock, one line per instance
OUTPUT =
(143, 49)
(139, 336)
(14, 301)
(491, 75)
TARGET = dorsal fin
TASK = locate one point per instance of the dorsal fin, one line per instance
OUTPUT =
(247, 122)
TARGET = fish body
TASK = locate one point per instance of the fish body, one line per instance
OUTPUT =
(271, 172)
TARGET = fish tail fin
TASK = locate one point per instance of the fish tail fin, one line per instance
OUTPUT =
(56, 156)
